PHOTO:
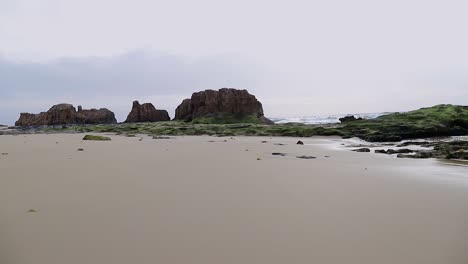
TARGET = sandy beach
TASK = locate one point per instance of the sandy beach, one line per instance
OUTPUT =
(225, 200)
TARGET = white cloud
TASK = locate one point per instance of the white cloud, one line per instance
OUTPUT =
(322, 56)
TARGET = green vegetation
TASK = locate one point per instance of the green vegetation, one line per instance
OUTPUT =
(227, 119)
(94, 137)
(176, 128)
(437, 121)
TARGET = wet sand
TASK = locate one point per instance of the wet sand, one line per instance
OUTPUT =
(189, 200)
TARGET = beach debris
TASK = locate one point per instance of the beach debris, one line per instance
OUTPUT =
(161, 137)
(306, 157)
(361, 150)
(300, 143)
(278, 154)
(33, 211)
(81, 149)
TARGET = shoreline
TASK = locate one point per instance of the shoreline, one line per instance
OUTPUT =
(205, 199)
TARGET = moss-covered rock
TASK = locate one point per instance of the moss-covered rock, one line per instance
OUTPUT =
(436, 121)
(95, 137)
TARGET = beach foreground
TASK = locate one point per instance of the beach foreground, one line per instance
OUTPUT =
(205, 199)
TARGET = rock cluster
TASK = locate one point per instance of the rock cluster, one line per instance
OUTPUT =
(146, 113)
(62, 114)
(349, 118)
(394, 151)
(225, 101)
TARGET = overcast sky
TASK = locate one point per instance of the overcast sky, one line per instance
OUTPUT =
(298, 57)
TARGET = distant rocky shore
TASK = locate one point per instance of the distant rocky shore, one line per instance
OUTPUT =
(63, 114)
(226, 105)
(230, 112)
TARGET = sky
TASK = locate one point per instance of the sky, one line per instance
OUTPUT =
(300, 58)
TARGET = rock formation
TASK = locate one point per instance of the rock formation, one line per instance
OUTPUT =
(146, 113)
(349, 118)
(62, 114)
(226, 101)
(95, 116)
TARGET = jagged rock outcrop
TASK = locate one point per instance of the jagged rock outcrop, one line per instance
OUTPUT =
(95, 116)
(146, 113)
(225, 101)
(27, 119)
(349, 118)
(63, 114)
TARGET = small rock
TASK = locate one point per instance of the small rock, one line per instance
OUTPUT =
(278, 154)
(33, 211)
(80, 149)
(279, 144)
(259, 159)
(161, 137)
(300, 143)
(306, 157)
(362, 150)
(5, 154)
(264, 141)
(326, 156)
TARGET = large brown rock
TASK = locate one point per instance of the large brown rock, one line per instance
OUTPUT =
(146, 113)
(225, 101)
(66, 114)
(27, 119)
(61, 114)
(95, 116)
